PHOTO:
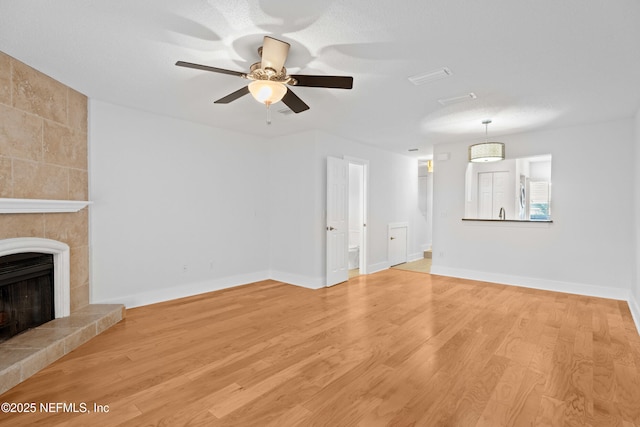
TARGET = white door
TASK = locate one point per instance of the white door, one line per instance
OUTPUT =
(397, 245)
(485, 195)
(492, 194)
(500, 188)
(337, 221)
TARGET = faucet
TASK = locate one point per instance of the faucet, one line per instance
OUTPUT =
(502, 214)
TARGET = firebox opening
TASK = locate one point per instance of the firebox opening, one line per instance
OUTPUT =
(26, 292)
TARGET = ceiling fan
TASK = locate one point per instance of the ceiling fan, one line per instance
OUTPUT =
(270, 79)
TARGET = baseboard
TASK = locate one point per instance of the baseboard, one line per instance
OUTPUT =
(374, 268)
(535, 283)
(195, 288)
(308, 282)
(634, 307)
(415, 257)
(161, 295)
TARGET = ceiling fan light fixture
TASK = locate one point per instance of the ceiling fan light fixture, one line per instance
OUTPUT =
(270, 81)
(266, 91)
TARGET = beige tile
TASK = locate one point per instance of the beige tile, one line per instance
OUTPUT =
(34, 363)
(79, 266)
(5, 79)
(79, 337)
(21, 225)
(47, 343)
(77, 110)
(6, 179)
(64, 146)
(33, 180)
(11, 356)
(37, 93)
(79, 297)
(9, 377)
(108, 321)
(70, 228)
(55, 351)
(70, 323)
(37, 338)
(100, 309)
(78, 184)
(20, 134)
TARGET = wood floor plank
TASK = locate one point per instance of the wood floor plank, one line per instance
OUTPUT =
(391, 348)
(550, 413)
(627, 395)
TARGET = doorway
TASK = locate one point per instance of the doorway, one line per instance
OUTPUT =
(343, 234)
(357, 204)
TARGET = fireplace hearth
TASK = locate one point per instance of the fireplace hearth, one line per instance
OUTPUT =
(26, 292)
(30, 351)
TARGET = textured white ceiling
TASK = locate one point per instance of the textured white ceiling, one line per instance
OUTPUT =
(533, 64)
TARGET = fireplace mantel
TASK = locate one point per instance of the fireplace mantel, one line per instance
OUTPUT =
(40, 206)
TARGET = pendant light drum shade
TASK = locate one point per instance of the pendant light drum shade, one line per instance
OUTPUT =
(486, 152)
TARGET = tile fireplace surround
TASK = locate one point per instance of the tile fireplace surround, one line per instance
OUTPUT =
(43, 194)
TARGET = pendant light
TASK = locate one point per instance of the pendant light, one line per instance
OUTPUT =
(486, 151)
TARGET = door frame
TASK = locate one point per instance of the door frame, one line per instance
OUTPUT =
(365, 211)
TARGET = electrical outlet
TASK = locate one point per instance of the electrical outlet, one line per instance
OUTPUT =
(185, 268)
(441, 254)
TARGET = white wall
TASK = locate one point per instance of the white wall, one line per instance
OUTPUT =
(168, 193)
(297, 239)
(298, 203)
(635, 300)
(588, 249)
(232, 208)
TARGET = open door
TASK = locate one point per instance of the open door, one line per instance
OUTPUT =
(337, 221)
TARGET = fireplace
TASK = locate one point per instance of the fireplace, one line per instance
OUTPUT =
(26, 292)
(58, 254)
(25, 354)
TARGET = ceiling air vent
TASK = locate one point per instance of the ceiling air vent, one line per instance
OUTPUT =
(457, 99)
(285, 111)
(420, 79)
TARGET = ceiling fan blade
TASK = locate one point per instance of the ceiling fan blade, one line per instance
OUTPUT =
(207, 68)
(274, 53)
(334, 82)
(292, 101)
(233, 96)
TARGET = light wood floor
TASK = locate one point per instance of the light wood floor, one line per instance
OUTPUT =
(392, 348)
(423, 265)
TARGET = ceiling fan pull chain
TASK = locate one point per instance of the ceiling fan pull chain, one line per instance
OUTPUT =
(268, 114)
